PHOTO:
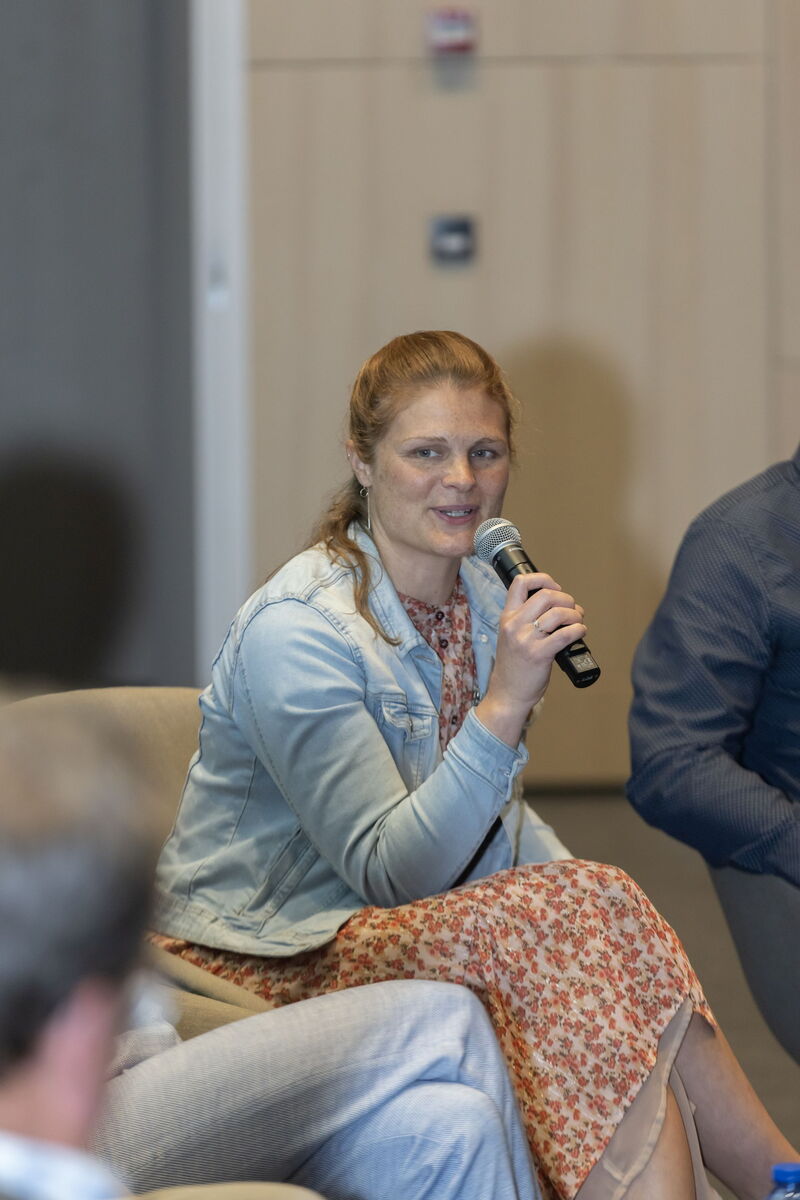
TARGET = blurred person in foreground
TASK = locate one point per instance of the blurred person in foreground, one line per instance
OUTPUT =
(402, 1081)
(76, 854)
(715, 722)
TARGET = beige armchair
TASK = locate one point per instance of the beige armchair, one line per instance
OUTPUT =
(236, 1191)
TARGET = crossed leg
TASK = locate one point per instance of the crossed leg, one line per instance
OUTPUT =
(401, 1081)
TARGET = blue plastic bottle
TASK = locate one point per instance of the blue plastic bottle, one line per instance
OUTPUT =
(786, 1178)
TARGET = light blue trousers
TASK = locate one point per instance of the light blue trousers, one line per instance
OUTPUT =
(396, 1089)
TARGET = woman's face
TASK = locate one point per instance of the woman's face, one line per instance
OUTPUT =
(439, 471)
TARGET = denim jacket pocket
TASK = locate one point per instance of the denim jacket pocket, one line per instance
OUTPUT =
(410, 732)
(414, 722)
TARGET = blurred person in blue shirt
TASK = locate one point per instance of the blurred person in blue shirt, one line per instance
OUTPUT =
(715, 720)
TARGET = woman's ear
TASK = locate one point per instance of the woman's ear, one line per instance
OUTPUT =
(361, 470)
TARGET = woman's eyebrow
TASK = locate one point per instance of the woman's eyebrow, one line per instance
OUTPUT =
(424, 437)
(440, 437)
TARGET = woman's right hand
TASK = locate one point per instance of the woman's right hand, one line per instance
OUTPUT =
(533, 629)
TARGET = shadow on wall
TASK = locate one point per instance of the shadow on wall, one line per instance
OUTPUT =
(67, 543)
(570, 498)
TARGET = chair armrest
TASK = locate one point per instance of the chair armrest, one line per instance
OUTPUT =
(235, 1191)
(189, 978)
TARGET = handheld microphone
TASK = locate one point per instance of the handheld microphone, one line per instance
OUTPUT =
(499, 543)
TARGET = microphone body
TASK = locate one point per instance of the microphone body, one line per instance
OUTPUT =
(498, 542)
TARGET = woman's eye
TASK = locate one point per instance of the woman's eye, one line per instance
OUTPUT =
(424, 452)
(484, 452)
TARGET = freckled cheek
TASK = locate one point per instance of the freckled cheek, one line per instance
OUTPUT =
(495, 478)
(496, 486)
(414, 484)
(399, 487)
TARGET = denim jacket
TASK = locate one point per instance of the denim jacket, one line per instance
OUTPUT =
(319, 785)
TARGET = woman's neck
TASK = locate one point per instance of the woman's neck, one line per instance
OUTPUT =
(433, 596)
(431, 580)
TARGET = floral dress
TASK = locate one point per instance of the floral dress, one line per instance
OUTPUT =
(579, 974)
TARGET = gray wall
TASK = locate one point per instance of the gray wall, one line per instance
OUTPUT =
(95, 337)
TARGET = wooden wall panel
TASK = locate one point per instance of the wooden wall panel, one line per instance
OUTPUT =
(310, 217)
(583, 376)
(785, 165)
(304, 30)
(785, 426)
(714, 28)
(707, 411)
(309, 30)
(650, 398)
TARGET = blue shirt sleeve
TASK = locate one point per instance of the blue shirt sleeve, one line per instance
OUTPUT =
(698, 676)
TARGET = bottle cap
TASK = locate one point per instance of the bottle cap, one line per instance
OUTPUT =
(786, 1173)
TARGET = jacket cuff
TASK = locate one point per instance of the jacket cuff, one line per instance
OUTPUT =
(486, 755)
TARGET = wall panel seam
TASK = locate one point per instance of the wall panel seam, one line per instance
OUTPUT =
(571, 60)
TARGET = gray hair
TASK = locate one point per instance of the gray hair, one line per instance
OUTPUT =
(76, 859)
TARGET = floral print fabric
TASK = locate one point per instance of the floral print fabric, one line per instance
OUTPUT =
(578, 972)
(448, 629)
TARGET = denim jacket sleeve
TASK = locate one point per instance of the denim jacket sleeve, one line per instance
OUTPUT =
(302, 700)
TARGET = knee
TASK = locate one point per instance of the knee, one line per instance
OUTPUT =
(452, 1003)
(463, 1013)
(463, 1118)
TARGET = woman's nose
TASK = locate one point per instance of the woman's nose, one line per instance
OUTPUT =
(459, 473)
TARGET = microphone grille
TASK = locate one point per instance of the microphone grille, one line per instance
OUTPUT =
(492, 535)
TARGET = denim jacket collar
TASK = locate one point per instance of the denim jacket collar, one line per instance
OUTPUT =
(383, 598)
(480, 585)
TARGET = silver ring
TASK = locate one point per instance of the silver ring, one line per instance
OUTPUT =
(537, 626)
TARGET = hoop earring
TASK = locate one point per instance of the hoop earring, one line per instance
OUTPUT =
(364, 493)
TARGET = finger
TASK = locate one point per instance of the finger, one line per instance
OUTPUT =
(559, 639)
(555, 618)
(521, 587)
(548, 598)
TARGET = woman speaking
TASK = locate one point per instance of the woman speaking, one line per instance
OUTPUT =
(354, 814)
